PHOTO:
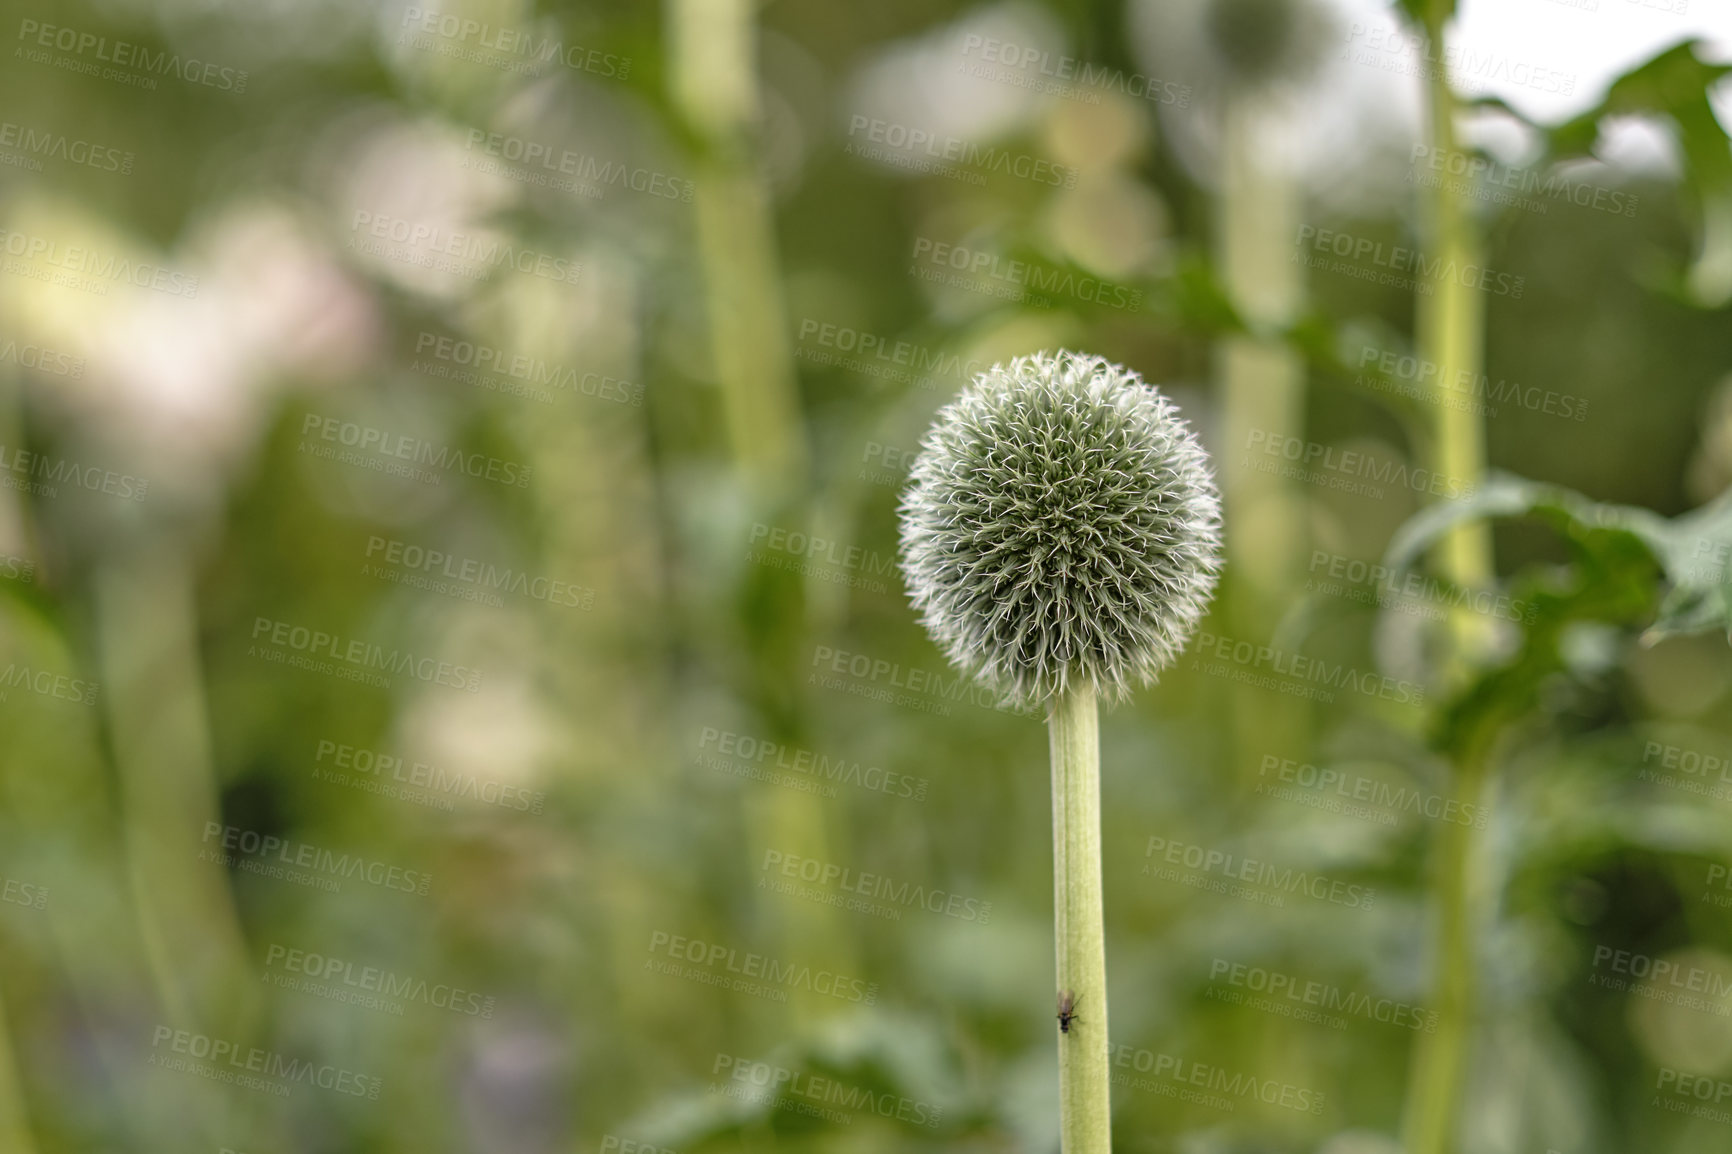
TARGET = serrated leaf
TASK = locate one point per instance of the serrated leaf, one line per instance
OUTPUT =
(1693, 550)
(1676, 85)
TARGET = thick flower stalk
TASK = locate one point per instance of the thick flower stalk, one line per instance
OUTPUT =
(1061, 540)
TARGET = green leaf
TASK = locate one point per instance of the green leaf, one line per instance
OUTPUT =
(1693, 550)
(1676, 85)
(1428, 14)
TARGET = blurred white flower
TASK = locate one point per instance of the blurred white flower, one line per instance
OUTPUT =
(925, 83)
(413, 207)
(1342, 128)
(177, 387)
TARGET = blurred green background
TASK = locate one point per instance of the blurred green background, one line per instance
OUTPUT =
(456, 693)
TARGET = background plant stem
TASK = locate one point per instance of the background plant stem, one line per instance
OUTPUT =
(14, 1122)
(1450, 326)
(713, 56)
(1441, 1064)
(1262, 388)
(1085, 1114)
(714, 81)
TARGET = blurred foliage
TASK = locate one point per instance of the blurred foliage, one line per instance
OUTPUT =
(1606, 709)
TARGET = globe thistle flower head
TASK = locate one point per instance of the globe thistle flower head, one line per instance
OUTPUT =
(1062, 526)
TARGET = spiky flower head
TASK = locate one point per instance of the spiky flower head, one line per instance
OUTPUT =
(1062, 526)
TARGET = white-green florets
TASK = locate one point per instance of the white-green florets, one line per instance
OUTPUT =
(1062, 524)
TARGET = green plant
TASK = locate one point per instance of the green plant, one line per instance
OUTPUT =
(1061, 540)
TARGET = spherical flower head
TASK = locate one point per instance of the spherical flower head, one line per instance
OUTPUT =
(1062, 527)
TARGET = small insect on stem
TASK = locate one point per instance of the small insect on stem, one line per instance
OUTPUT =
(1066, 1011)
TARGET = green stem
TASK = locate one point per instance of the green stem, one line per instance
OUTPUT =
(1085, 1116)
(146, 634)
(1450, 327)
(1440, 1067)
(1451, 332)
(14, 1119)
(1262, 389)
(715, 84)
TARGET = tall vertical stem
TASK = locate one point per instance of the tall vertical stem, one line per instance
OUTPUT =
(1085, 1115)
(146, 627)
(715, 84)
(1451, 327)
(1439, 1070)
(1451, 331)
(1262, 388)
(1261, 378)
(14, 1120)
